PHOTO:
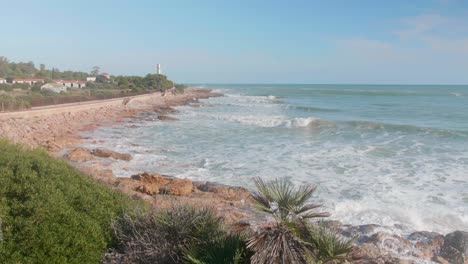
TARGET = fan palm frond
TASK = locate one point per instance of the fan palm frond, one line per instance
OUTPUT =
(277, 245)
(284, 201)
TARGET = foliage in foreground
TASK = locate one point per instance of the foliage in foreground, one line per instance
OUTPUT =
(176, 235)
(293, 238)
(50, 212)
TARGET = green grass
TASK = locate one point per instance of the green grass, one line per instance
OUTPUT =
(50, 212)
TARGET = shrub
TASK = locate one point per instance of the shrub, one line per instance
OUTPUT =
(292, 238)
(51, 213)
(228, 249)
(326, 243)
(181, 234)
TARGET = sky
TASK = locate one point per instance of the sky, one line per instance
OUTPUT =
(246, 41)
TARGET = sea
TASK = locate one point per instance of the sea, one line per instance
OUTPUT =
(391, 155)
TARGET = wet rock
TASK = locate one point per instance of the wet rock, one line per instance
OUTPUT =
(361, 233)
(167, 118)
(79, 155)
(225, 191)
(105, 153)
(455, 247)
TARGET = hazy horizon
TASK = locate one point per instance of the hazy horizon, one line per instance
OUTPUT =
(421, 42)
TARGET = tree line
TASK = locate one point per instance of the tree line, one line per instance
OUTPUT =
(10, 70)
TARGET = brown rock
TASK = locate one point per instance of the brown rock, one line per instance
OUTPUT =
(105, 153)
(150, 183)
(179, 187)
(227, 192)
(160, 184)
(167, 118)
(79, 155)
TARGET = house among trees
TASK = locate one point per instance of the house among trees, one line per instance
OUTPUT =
(106, 75)
(29, 81)
(2, 81)
(54, 87)
(90, 79)
(71, 83)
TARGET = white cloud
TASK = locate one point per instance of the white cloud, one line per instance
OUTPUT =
(425, 49)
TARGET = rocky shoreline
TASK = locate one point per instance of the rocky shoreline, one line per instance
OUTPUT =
(60, 132)
(373, 243)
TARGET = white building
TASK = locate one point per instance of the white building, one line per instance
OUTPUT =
(2, 81)
(29, 81)
(90, 79)
(72, 83)
(54, 87)
(106, 75)
(158, 68)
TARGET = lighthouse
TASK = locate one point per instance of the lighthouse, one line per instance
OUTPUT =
(158, 68)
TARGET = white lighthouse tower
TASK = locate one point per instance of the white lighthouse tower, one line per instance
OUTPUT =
(158, 68)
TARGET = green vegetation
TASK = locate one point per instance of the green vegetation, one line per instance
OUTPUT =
(195, 236)
(294, 238)
(23, 96)
(28, 70)
(50, 212)
(176, 235)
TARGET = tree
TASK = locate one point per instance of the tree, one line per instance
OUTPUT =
(95, 70)
(157, 82)
(101, 79)
(42, 67)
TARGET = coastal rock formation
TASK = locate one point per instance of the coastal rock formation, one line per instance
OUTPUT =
(166, 118)
(159, 184)
(105, 153)
(225, 191)
(455, 248)
(80, 155)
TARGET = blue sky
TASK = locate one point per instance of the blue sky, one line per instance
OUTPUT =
(256, 41)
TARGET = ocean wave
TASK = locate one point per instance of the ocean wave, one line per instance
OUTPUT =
(381, 126)
(314, 109)
(272, 121)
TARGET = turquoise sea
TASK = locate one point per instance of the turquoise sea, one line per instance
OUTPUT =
(393, 155)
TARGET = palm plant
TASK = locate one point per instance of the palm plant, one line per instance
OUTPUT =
(327, 244)
(293, 239)
(286, 203)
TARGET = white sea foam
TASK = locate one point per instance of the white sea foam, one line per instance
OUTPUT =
(401, 177)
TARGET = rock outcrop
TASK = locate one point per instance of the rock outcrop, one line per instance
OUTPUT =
(105, 153)
(455, 247)
(166, 118)
(154, 183)
(225, 191)
(80, 155)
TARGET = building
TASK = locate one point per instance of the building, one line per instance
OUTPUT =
(2, 81)
(29, 81)
(54, 87)
(90, 79)
(158, 68)
(72, 83)
(106, 75)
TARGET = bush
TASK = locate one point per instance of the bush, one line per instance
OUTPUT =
(13, 103)
(51, 213)
(164, 236)
(228, 249)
